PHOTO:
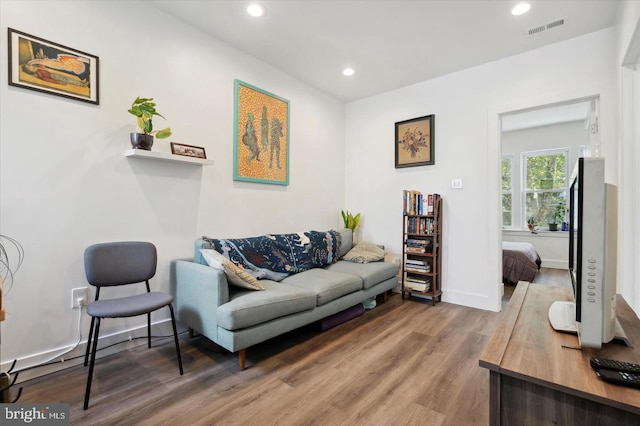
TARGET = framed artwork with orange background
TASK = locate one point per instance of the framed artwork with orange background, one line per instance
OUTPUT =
(44, 66)
(261, 136)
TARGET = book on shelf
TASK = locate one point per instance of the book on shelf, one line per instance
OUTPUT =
(418, 286)
(419, 271)
(419, 280)
(412, 202)
(417, 262)
(420, 225)
(415, 248)
(416, 203)
(417, 268)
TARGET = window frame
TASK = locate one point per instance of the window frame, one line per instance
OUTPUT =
(523, 180)
(511, 158)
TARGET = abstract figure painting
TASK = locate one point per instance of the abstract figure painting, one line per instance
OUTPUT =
(41, 65)
(415, 142)
(261, 136)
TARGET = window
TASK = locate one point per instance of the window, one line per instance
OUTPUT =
(545, 180)
(507, 190)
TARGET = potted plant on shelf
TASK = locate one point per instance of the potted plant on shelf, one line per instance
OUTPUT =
(558, 216)
(531, 224)
(144, 109)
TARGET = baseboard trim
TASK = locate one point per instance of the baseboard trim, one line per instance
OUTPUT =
(128, 339)
(554, 264)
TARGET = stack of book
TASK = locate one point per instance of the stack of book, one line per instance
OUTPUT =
(412, 265)
(417, 246)
(419, 284)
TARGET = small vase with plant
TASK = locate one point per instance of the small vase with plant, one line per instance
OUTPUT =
(558, 216)
(144, 109)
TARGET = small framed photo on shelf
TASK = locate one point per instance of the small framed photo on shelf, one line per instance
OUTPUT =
(188, 150)
(48, 67)
(415, 142)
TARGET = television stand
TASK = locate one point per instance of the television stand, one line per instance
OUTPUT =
(533, 379)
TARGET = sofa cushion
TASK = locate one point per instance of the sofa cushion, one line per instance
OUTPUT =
(248, 308)
(370, 273)
(326, 285)
(365, 253)
(346, 241)
(235, 275)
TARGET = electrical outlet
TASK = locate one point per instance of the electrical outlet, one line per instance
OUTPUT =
(77, 294)
(456, 183)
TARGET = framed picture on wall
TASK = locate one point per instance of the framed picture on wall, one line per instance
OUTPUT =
(188, 150)
(261, 136)
(48, 67)
(415, 142)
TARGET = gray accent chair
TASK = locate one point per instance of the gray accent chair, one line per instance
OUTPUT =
(117, 264)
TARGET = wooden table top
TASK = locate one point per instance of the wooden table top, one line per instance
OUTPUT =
(525, 346)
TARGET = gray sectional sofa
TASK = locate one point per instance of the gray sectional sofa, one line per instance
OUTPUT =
(237, 318)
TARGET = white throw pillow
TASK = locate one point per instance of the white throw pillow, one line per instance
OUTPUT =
(235, 275)
(364, 253)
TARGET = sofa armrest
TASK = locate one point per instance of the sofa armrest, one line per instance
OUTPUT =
(198, 291)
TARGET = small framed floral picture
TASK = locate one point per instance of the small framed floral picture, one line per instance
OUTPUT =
(415, 142)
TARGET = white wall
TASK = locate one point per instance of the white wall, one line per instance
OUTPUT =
(64, 183)
(466, 105)
(628, 66)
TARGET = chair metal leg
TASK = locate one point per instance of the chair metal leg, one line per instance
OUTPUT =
(175, 337)
(149, 330)
(93, 360)
(86, 354)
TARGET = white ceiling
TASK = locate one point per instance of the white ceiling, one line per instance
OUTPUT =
(390, 44)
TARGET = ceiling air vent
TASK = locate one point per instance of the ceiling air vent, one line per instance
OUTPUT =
(537, 30)
(555, 24)
(550, 25)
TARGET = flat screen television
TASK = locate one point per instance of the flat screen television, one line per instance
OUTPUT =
(592, 258)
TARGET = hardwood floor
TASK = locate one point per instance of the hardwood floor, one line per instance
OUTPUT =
(404, 362)
(548, 276)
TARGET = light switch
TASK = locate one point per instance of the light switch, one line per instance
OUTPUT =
(456, 183)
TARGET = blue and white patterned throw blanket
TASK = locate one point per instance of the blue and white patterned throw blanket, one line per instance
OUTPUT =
(275, 256)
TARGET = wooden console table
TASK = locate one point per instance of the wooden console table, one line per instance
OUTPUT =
(534, 380)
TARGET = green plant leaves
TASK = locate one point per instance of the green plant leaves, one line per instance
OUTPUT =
(349, 220)
(164, 133)
(145, 109)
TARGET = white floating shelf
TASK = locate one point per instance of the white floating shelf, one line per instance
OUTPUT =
(152, 155)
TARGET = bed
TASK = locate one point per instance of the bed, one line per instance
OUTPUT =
(520, 262)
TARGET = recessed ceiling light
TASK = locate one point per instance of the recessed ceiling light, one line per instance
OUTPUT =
(520, 9)
(348, 72)
(255, 10)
